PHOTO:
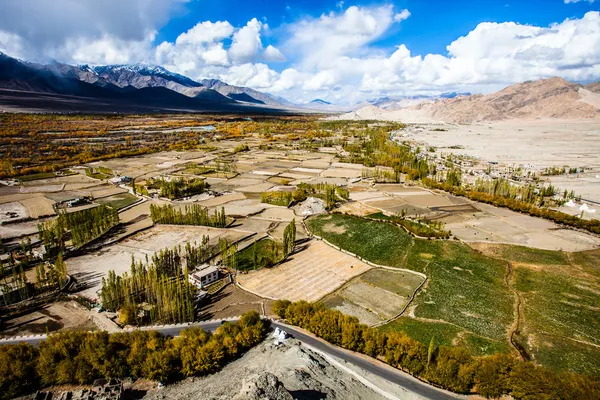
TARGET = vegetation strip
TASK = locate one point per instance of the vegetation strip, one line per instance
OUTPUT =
(77, 357)
(452, 368)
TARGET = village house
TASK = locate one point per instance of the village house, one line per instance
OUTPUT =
(204, 275)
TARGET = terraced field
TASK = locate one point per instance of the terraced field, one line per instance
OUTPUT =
(480, 297)
(375, 296)
(308, 275)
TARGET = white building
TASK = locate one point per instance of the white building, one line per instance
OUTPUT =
(205, 275)
(120, 180)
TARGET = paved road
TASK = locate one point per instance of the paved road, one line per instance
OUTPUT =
(370, 365)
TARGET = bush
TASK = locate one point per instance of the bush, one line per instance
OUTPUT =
(17, 370)
(76, 357)
(453, 368)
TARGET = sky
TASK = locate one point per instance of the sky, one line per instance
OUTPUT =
(340, 51)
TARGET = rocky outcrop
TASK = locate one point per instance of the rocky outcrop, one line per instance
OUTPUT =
(265, 386)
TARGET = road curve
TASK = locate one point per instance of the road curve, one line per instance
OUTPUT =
(372, 366)
(368, 364)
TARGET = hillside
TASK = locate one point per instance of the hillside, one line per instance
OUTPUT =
(35, 87)
(553, 98)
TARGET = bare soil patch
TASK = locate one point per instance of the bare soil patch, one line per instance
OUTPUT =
(89, 269)
(38, 206)
(50, 318)
(309, 274)
(13, 211)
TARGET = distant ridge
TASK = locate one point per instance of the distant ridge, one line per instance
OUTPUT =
(553, 98)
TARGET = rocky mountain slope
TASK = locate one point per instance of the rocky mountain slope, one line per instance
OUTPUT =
(134, 86)
(593, 87)
(553, 98)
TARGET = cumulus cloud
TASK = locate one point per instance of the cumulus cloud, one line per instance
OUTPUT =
(319, 42)
(43, 25)
(272, 54)
(246, 42)
(402, 15)
(206, 32)
(332, 56)
(201, 52)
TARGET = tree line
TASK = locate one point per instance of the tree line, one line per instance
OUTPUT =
(452, 368)
(373, 148)
(15, 287)
(78, 357)
(327, 192)
(418, 227)
(158, 288)
(177, 188)
(84, 226)
(276, 198)
(193, 214)
(516, 205)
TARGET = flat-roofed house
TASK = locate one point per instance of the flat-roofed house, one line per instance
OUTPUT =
(205, 275)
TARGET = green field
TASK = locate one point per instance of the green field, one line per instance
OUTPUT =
(33, 177)
(468, 302)
(377, 242)
(118, 201)
(263, 251)
(375, 296)
(400, 283)
(423, 331)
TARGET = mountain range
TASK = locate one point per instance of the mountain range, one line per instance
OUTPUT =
(59, 87)
(553, 98)
(121, 88)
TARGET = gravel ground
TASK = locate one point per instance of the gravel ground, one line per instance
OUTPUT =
(305, 374)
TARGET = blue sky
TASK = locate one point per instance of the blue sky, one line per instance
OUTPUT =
(302, 49)
(446, 20)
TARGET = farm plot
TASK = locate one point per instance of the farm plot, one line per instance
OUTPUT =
(465, 289)
(42, 189)
(494, 225)
(307, 275)
(38, 207)
(395, 205)
(13, 211)
(118, 201)
(89, 269)
(50, 318)
(378, 242)
(106, 191)
(375, 296)
(560, 326)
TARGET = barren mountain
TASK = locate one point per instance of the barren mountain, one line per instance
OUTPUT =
(552, 98)
(593, 87)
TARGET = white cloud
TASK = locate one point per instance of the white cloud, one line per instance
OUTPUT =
(11, 43)
(402, 15)
(206, 32)
(258, 76)
(216, 55)
(319, 42)
(577, 1)
(45, 26)
(272, 54)
(246, 42)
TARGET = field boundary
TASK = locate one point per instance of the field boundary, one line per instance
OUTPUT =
(372, 264)
(412, 298)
